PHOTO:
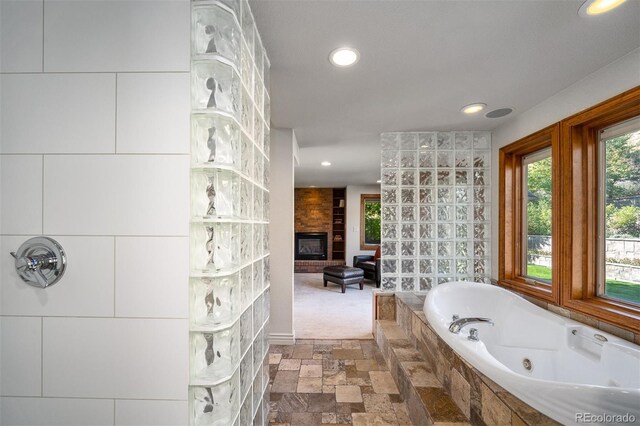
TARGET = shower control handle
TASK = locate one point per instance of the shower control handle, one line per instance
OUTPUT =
(40, 261)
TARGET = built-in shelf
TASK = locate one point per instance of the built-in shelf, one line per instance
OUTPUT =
(339, 221)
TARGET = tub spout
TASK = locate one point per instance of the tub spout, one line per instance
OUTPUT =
(457, 325)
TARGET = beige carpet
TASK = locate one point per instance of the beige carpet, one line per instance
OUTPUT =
(326, 313)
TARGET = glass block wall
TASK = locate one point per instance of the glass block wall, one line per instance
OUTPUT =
(229, 236)
(435, 209)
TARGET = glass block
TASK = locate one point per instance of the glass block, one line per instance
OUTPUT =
(266, 206)
(248, 28)
(463, 140)
(408, 159)
(426, 231)
(258, 246)
(480, 213)
(246, 72)
(427, 248)
(215, 86)
(408, 284)
(266, 145)
(389, 266)
(256, 396)
(408, 213)
(481, 177)
(258, 204)
(214, 30)
(267, 108)
(444, 141)
(481, 159)
(390, 177)
(389, 283)
(390, 141)
(408, 248)
(246, 287)
(258, 320)
(408, 266)
(389, 248)
(426, 283)
(215, 140)
(445, 230)
(481, 140)
(408, 195)
(257, 277)
(444, 159)
(389, 196)
(258, 98)
(215, 247)
(214, 405)
(246, 114)
(245, 412)
(445, 195)
(390, 159)
(445, 248)
(462, 195)
(214, 301)
(246, 374)
(462, 177)
(481, 231)
(444, 213)
(246, 335)
(246, 196)
(426, 159)
(445, 266)
(480, 266)
(246, 156)
(258, 166)
(390, 213)
(265, 239)
(426, 213)
(426, 177)
(214, 355)
(463, 159)
(266, 173)
(389, 231)
(462, 266)
(480, 248)
(256, 348)
(408, 231)
(258, 129)
(481, 195)
(463, 213)
(266, 275)
(426, 266)
(444, 177)
(408, 178)
(443, 280)
(426, 140)
(215, 193)
(426, 195)
(266, 307)
(462, 231)
(258, 54)
(408, 140)
(462, 249)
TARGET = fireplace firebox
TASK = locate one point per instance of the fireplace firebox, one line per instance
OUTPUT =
(311, 246)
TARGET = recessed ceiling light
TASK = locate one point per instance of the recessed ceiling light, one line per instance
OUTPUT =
(344, 56)
(325, 163)
(378, 181)
(596, 7)
(473, 108)
(497, 113)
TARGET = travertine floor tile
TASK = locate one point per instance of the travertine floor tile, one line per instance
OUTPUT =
(348, 394)
(309, 385)
(289, 364)
(302, 351)
(311, 371)
(382, 382)
(285, 381)
(275, 358)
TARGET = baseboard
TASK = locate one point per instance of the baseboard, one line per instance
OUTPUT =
(282, 339)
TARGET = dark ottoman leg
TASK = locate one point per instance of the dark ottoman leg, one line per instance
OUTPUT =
(361, 284)
(344, 287)
(325, 283)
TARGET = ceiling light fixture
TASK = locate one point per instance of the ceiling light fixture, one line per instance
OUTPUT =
(325, 163)
(378, 181)
(473, 108)
(596, 7)
(344, 56)
(500, 112)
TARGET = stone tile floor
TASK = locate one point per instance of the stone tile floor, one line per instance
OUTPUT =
(341, 382)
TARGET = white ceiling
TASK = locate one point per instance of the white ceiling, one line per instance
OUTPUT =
(420, 62)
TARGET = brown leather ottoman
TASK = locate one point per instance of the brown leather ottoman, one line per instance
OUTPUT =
(343, 275)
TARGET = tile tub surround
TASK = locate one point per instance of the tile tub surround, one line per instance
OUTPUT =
(477, 396)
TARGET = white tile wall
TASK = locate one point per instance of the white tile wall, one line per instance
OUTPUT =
(116, 195)
(156, 413)
(147, 118)
(86, 289)
(21, 204)
(57, 113)
(106, 35)
(115, 358)
(150, 275)
(21, 35)
(21, 354)
(56, 412)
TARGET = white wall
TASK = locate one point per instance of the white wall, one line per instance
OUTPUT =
(94, 144)
(353, 219)
(603, 84)
(281, 230)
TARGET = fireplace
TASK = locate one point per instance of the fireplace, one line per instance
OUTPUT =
(311, 246)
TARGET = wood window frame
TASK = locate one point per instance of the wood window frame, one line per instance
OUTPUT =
(363, 200)
(510, 263)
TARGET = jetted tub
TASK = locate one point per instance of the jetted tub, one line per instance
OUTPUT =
(560, 367)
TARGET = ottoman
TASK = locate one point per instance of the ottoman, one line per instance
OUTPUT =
(343, 275)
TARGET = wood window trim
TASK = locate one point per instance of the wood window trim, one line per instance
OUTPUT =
(363, 200)
(510, 213)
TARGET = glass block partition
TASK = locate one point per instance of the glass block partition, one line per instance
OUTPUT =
(435, 208)
(229, 233)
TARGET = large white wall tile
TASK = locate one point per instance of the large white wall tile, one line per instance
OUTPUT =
(152, 277)
(20, 356)
(21, 35)
(106, 35)
(85, 289)
(116, 195)
(21, 189)
(57, 113)
(151, 413)
(56, 412)
(153, 113)
(115, 358)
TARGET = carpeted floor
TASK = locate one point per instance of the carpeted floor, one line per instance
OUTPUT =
(326, 313)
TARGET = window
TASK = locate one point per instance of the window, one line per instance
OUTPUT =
(369, 221)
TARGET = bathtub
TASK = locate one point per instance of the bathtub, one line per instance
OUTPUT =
(572, 370)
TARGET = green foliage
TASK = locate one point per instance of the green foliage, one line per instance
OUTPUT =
(539, 201)
(623, 221)
(372, 222)
(539, 217)
(622, 156)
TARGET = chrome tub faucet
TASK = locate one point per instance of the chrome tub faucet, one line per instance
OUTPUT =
(459, 323)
